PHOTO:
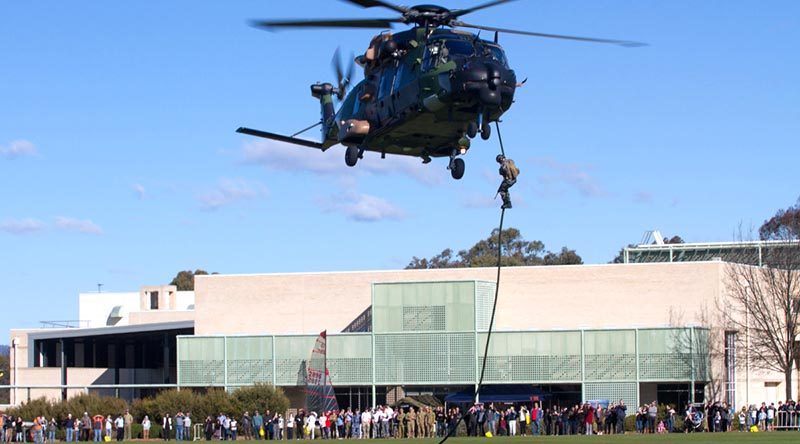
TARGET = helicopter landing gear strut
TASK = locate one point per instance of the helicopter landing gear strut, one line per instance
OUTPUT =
(480, 126)
(352, 154)
(456, 165)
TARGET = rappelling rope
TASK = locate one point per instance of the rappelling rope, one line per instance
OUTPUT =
(452, 431)
(497, 125)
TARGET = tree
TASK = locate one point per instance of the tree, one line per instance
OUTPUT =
(764, 302)
(516, 252)
(184, 280)
(785, 224)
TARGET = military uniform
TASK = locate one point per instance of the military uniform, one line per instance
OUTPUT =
(431, 422)
(411, 418)
(401, 424)
(509, 172)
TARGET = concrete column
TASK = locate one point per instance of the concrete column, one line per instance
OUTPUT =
(63, 353)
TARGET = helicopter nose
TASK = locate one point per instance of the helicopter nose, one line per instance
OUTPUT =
(493, 76)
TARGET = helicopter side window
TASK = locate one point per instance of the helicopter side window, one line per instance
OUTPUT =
(405, 74)
(387, 77)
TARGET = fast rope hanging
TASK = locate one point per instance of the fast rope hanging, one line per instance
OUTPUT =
(452, 431)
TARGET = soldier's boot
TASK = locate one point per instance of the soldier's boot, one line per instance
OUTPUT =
(506, 200)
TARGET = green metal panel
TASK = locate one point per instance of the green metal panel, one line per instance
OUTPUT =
(664, 354)
(532, 356)
(484, 300)
(425, 358)
(350, 359)
(249, 359)
(613, 392)
(291, 355)
(201, 361)
(423, 306)
(610, 355)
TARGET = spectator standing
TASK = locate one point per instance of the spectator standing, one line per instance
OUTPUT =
(108, 425)
(51, 430)
(128, 418)
(589, 419)
(258, 423)
(234, 428)
(97, 427)
(119, 423)
(76, 430)
(652, 415)
(146, 427)
(178, 426)
(187, 426)
(166, 426)
(621, 409)
(86, 426)
(18, 429)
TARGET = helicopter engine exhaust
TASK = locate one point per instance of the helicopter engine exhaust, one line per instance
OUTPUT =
(324, 93)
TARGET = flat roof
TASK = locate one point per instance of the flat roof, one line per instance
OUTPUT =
(102, 331)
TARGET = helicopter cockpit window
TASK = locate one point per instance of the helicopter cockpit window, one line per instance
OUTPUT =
(444, 50)
(497, 54)
(459, 48)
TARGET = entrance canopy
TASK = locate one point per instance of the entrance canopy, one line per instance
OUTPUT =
(499, 393)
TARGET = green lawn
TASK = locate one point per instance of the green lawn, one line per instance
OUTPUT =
(678, 438)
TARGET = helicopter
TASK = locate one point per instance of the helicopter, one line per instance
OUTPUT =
(426, 92)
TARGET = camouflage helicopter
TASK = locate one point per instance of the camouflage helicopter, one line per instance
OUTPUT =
(427, 91)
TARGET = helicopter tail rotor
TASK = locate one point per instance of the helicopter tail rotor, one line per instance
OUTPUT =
(342, 79)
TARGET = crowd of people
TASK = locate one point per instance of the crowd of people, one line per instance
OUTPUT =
(413, 422)
(379, 422)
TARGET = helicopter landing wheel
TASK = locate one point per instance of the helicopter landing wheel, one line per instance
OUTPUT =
(486, 131)
(457, 170)
(351, 155)
(472, 130)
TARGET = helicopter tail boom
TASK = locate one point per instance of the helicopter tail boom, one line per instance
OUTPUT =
(282, 138)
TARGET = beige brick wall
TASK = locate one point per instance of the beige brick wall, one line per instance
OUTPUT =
(554, 297)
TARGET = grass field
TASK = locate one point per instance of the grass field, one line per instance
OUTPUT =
(677, 438)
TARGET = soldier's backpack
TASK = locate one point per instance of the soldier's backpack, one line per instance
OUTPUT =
(511, 170)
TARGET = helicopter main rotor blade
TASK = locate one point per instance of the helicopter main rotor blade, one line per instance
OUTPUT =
(379, 3)
(339, 23)
(460, 12)
(626, 43)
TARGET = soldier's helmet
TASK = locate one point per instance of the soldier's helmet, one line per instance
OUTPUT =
(500, 158)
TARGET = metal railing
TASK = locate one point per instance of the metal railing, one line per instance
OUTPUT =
(75, 323)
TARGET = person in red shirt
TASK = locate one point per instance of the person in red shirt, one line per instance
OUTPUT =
(589, 418)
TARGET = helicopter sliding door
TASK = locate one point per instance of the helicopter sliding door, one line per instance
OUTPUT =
(385, 102)
(405, 89)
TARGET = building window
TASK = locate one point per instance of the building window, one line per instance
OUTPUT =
(153, 300)
(730, 367)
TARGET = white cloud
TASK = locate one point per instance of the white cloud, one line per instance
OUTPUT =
(22, 226)
(85, 226)
(18, 148)
(229, 191)
(571, 175)
(361, 207)
(281, 156)
(139, 190)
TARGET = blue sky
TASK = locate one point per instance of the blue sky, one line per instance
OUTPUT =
(119, 162)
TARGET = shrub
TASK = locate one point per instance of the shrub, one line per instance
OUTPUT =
(261, 397)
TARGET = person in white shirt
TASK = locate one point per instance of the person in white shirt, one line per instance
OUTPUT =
(366, 419)
(311, 424)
